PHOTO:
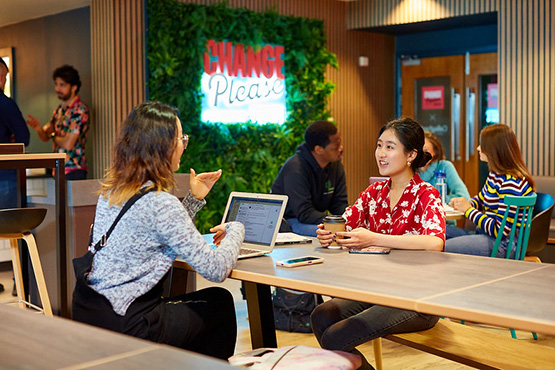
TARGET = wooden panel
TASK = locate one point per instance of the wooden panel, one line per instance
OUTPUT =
(117, 42)
(527, 79)
(374, 13)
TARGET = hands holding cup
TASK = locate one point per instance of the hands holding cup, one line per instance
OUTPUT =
(327, 232)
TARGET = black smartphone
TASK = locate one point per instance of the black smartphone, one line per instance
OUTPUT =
(371, 250)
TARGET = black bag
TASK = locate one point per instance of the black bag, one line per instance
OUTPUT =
(292, 309)
(83, 295)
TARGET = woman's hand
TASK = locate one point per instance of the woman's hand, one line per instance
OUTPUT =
(358, 238)
(220, 233)
(460, 204)
(325, 237)
(202, 183)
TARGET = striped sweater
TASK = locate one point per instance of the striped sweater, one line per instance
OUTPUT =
(488, 208)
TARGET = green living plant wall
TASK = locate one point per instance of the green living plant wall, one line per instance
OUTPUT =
(249, 154)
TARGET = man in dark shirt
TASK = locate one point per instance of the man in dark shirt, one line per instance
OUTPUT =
(313, 179)
(12, 130)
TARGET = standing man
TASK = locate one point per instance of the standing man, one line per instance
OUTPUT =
(69, 124)
(12, 130)
(313, 179)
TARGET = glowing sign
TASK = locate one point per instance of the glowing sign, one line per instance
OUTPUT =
(241, 85)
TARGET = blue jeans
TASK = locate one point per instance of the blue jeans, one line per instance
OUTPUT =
(340, 324)
(8, 189)
(476, 242)
(302, 229)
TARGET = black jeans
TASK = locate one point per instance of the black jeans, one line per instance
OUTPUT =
(203, 321)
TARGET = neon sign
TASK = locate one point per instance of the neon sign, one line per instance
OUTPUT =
(241, 85)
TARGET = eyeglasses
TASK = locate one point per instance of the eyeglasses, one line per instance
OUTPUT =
(185, 140)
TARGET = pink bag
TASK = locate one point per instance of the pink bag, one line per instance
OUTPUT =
(295, 357)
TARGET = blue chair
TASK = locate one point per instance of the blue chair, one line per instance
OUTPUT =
(524, 213)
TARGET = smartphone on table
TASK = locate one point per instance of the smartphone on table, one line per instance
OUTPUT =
(371, 250)
(300, 261)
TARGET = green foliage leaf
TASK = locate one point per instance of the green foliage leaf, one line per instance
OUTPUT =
(250, 155)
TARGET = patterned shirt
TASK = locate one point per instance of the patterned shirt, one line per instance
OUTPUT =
(418, 212)
(488, 207)
(72, 119)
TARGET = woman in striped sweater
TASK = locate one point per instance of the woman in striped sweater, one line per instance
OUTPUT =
(508, 176)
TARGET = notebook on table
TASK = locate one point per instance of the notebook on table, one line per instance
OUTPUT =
(261, 215)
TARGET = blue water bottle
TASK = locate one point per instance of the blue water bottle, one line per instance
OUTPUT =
(441, 185)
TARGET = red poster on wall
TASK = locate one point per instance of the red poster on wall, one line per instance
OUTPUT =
(433, 97)
(492, 95)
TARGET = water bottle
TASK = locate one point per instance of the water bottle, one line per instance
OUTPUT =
(441, 185)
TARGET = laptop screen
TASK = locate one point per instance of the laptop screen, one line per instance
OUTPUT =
(259, 216)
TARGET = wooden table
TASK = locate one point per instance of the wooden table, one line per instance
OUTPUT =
(34, 341)
(454, 216)
(56, 161)
(501, 292)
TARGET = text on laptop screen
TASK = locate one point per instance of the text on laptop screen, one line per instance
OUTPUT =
(259, 216)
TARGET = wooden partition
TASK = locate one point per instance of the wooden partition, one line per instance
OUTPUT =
(118, 70)
(526, 60)
(362, 103)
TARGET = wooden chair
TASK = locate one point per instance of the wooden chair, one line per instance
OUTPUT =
(16, 224)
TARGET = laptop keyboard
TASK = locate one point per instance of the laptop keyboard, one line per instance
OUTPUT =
(244, 251)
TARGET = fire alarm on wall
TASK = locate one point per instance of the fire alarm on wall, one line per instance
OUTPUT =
(363, 61)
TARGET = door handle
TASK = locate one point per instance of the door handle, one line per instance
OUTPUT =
(470, 128)
(455, 125)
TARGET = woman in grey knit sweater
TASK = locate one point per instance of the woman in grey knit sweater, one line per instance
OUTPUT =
(127, 274)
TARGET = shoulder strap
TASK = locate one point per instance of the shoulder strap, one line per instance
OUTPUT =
(102, 242)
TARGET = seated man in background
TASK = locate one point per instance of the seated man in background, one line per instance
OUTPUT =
(313, 179)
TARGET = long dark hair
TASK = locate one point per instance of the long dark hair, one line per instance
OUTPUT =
(411, 135)
(142, 152)
(499, 143)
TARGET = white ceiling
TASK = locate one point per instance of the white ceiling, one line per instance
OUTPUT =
(15, 11)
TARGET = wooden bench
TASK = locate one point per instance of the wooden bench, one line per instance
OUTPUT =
(477, 348)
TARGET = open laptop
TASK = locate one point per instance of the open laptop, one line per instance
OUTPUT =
(261, 215)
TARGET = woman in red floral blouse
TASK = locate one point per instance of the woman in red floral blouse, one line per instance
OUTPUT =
(402, 212)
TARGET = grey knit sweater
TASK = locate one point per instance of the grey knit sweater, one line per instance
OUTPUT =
(146, 241)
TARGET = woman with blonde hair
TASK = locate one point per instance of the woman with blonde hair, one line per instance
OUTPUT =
(508, 176)
(124, 287)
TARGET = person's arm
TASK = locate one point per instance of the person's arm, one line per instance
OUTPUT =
(431, 233)
(491, 224)
(16, 123)
(66, 141)
(455, 186)
(175, 229)
(339, 200)
(360, 238)
(44, 132)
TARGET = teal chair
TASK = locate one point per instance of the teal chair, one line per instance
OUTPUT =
(524, 211)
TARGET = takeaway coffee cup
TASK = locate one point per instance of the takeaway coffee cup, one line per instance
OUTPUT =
(334, 224)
